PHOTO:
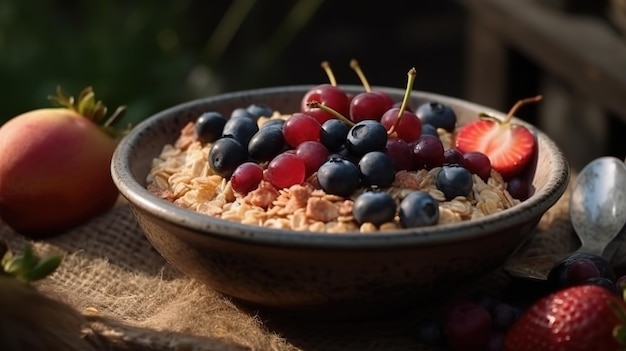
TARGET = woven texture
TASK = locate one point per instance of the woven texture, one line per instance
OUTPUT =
(112, 273)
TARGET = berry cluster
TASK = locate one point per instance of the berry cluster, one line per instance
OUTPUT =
(351, 146)
(574, 299)
(474, 323)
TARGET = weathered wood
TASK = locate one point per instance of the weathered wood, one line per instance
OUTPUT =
(487, 67)
(584, 52)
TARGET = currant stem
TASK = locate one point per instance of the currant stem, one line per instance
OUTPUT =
(317, 104)
(405, 100)
(329, 73)
(519, 104)
(354, 64)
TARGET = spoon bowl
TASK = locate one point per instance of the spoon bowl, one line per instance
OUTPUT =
(597, 210)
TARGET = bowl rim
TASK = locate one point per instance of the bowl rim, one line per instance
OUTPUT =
(140, 199)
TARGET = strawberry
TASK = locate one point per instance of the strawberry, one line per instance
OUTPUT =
(582, 317)
(508, 145)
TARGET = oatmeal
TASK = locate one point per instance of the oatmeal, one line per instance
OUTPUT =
(182, 174)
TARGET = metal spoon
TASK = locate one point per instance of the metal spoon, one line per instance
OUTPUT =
(597, 210)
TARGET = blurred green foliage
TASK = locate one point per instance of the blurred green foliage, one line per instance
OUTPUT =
(144, 54)
(127, 51)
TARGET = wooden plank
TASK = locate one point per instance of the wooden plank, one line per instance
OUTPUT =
(487, 66)
(583, 51)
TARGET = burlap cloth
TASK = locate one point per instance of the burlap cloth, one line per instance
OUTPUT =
(133, 297)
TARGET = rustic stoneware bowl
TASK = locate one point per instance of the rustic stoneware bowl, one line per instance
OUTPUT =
(315, 274)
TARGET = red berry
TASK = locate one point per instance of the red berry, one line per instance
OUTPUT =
(313, 154)
(509, 146)
(576, 318)
(286, 170)
(367, 105)
(246, 177)
(477, 163)
(408, 127)
(467, 326)
(301, 127)
(428, 152)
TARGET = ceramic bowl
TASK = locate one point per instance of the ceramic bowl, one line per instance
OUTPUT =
(320, 274)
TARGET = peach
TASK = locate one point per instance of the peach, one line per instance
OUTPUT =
(54, 171)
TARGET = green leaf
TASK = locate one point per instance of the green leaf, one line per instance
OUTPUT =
(45, 267)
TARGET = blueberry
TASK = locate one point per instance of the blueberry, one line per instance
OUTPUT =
(437, 114)
(266, 143)
(274, 122)
(418, 209)
(225, 155)
(374, 206)
(209, 126)
(365, 136)
(343, 152)
(241, 112)
(454, 180)
(334, 132)
(377, 169)
(339, 176)
(429, 129)
(241, 129)
(259, 110)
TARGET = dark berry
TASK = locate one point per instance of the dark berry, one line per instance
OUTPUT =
(266, 143)
(519, 188)
(453, 181)
(366, 136)
(400, 153)
(374, 206)
(428, 152)
(339, 176)
(333, 134)
(559, 275)
(241, 112)
(376, 169)
(477, 163)
(226, 155)
(209, 126)
(453, 156)
(241, 129)
(429, 129)
(273, 122)
(437, 114)
(259, 110)
(418, 209)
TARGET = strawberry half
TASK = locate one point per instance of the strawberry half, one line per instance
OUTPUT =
(509, 146)
(583, 317)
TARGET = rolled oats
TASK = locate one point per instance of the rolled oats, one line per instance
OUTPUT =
(181, 174)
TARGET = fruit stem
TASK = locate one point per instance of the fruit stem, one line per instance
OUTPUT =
(405, 100)
(94, 110)
(519, 104)
(354, 64)
(317, 104)
(329, 73)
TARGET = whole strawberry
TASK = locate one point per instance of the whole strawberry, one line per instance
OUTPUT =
(583, 317)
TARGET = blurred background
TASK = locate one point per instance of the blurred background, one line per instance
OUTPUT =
(150, 55)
